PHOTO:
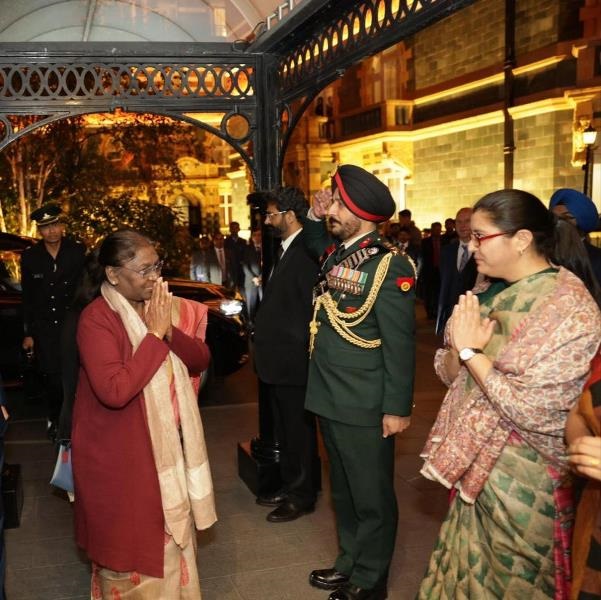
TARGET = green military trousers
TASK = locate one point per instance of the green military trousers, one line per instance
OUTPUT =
(362, 481)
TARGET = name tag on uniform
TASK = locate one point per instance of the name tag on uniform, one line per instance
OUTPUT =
(38, 275)
(347, 280)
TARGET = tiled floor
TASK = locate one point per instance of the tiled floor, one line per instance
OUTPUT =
(242, 557)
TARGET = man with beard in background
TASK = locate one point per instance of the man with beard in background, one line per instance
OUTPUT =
(281, 342)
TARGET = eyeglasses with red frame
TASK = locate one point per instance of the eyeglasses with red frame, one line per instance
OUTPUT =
(478, 238)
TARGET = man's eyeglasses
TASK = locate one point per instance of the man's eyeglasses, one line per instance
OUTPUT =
(156, 268)
(269, 215)
(478, 238)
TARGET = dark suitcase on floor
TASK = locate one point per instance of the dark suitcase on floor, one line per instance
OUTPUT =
(12, 495)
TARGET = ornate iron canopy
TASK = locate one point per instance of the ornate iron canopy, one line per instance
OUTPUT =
(261, 90)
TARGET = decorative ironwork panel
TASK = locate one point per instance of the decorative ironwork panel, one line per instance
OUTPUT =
(80, 81)
(351, 31)
(54, 81)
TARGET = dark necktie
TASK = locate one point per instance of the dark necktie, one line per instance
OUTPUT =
(276, 260)
(278, 254)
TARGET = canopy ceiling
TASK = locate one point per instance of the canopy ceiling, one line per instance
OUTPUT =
(130, 20)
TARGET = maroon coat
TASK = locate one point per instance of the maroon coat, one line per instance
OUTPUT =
(118, 513)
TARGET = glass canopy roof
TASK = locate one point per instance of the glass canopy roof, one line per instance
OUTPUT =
(130, 20)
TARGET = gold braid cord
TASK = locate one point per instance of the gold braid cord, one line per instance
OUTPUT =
(337, 318)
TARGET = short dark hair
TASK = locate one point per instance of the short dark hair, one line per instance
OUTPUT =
(292, 199)
(121, 246)
(405, 213)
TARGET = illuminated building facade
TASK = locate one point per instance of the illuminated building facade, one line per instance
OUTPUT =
(483, 99)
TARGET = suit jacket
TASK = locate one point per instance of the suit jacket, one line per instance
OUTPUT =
(594, 254)
(281, 337)
(205, 267)
(355, 385)
(428, 256)
(251, 262)
(236, 248)
(452, 282)
(252, 267)
(48, 286)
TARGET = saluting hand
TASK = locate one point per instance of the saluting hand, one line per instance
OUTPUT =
(467, 329)
(321, 203)
(28, 343)
(157, 312)
(392, 424)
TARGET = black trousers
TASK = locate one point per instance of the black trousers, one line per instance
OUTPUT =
(362, 478)
(295, 430)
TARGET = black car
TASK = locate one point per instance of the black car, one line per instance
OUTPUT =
(226, 328)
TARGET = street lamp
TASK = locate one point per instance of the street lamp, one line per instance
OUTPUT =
(589, 136)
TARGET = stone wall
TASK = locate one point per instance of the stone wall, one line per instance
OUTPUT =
(543, 154)
(536, 24)
(444, 51)
(453, 171)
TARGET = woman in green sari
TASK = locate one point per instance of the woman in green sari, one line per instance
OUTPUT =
(517, 354)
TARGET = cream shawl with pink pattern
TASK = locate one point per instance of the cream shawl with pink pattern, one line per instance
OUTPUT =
(182, 466)
(537, 377)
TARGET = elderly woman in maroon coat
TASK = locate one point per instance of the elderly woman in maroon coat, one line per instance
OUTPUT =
(142, 479)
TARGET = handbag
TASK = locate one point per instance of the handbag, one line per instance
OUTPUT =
(63, 472)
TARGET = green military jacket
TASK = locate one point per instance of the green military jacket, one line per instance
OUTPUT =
(352, 384)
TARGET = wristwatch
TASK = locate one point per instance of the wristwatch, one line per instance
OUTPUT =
(466, 354)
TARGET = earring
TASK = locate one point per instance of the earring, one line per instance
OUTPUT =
(521, 251)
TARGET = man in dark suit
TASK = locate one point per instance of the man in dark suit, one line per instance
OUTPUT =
(236, 247)
(204, 265)
(50, 270)
(226, 261)
(404, 245)
(581, 211)
(361, 374)
(450, 233)
(430, 269)
(252, 265)
(457, 269)
(281, 342)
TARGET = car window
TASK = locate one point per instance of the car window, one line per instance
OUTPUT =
(10, 269)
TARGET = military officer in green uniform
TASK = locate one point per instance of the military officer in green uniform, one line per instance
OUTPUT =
(361, 371)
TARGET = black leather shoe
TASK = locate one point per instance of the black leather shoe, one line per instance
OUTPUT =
(274, 499)
(327, 579)
(353, 592)
(287, 511)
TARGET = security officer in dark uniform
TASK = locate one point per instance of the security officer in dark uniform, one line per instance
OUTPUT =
(49, 272)
(361, 374)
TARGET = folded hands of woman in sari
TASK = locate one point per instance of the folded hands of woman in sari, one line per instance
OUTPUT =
(585, 456)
